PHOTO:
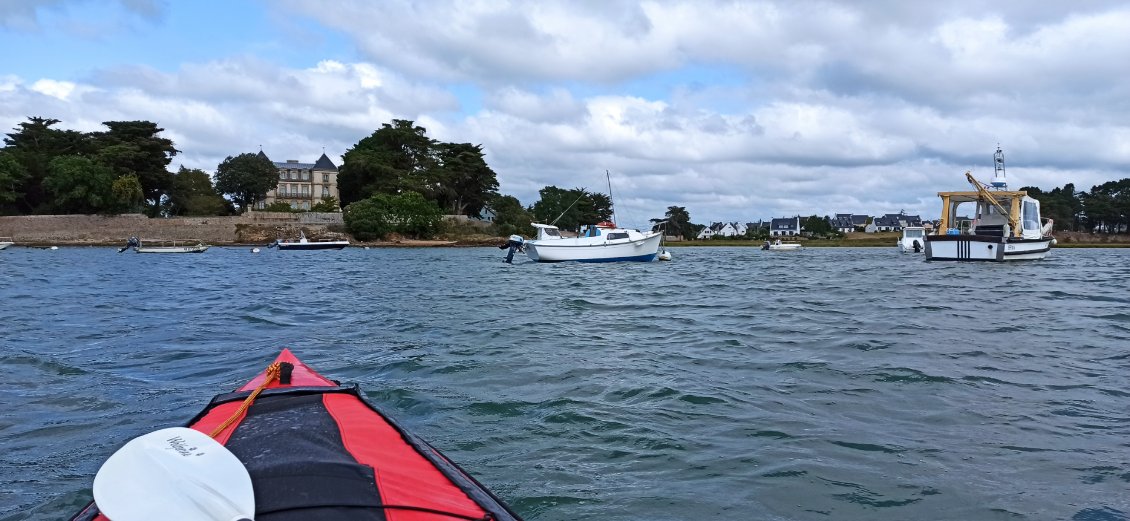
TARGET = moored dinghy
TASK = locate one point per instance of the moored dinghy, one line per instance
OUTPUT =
(5, 242)
(306, 244)
(318, 450)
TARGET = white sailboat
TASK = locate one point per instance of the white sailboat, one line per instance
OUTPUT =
(602, 242)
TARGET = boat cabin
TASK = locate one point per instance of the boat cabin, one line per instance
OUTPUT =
(547, 232)
(999, 213)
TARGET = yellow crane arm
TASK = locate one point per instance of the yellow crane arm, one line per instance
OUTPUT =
(1013, 221)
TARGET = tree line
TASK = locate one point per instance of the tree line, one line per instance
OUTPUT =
(1105, 209)
(406, 180)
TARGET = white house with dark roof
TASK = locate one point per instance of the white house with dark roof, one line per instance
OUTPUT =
(847, 223)
(302, 185)
(721, 229)
(893, 222)
(786, 226)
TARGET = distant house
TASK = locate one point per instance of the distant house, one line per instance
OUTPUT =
(757, 227)
(893, 222)
(786, 226)
(720, 229)
(302, 185)
(847, 223)
(487, 215)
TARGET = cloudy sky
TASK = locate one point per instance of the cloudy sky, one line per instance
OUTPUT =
(737, 111)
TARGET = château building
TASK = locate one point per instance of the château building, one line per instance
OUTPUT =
(302, 185)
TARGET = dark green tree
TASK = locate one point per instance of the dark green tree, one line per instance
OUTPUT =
(464, 181)
(677, 222)
(246, 178)
(33, 145)
(127, 194)
(510, 217)
(817, 226)
(407, 213)
(191, 194)
(133, 148)
(12, 175)
(78, 185)
(397, 157)
(328, 204)
(569, 209)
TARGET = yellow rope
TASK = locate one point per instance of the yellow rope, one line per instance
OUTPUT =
(272, 373)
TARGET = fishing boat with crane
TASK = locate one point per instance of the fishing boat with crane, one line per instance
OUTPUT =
(601, 242)
(1007, 225)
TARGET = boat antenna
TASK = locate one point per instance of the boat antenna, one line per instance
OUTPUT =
(999, 182)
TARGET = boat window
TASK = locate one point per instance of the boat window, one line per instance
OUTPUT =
(1031, 215)
(552, 232)
(619, 235)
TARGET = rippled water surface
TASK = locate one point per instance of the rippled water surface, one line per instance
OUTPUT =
(730, 383)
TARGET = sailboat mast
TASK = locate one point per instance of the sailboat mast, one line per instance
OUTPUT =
(612, 205)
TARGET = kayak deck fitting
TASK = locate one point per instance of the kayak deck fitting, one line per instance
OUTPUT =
(318, 450)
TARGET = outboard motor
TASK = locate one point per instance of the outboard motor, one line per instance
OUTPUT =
(132, 242)
(515, 243)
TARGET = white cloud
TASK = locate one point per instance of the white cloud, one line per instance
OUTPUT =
(736, 110)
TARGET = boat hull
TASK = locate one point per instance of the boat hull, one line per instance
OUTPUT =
(325, 245)
(564, 250)
(318, 450)
(985, 248)
(4, 245)
(907, 246)
(171, 249)
(782, 247)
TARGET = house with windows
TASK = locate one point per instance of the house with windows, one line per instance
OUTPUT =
(786, 226)
(720, 229)
(893, 222)
(302, 185)
(847, 222)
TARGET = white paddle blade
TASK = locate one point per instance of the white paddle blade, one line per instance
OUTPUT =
(174, 474)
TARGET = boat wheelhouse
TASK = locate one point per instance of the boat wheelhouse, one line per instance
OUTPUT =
(913, 240)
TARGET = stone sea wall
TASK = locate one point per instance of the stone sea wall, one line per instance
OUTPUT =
(250, 228)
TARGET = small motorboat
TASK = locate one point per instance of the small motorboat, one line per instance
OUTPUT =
(305, 244)
(781, 246)
(312, 449)
(913, 240)
(5, 242)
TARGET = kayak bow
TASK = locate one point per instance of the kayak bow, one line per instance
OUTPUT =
(318, 450)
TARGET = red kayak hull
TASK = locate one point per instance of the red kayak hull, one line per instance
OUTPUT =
(318, 450)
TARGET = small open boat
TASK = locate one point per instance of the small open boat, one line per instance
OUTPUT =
(305, 244)
(5, 242)
(169, 246)
(781, 246)
(315, 449)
